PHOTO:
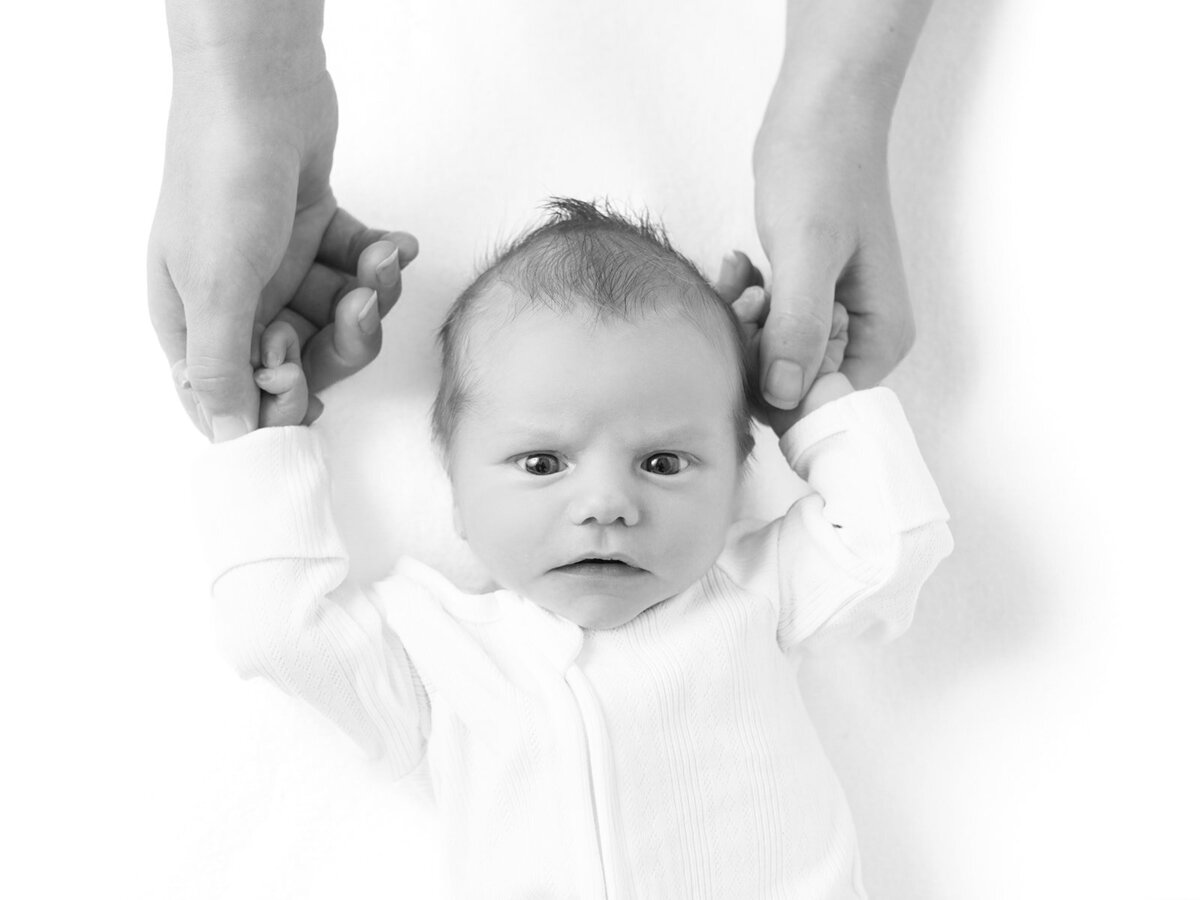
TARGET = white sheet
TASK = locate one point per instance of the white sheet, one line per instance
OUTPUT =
(1033, 736)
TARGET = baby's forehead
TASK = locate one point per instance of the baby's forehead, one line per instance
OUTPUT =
(571, 371)
(545, 376)
(501, 304)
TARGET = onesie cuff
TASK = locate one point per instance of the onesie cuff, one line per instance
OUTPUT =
(825, 421)
(875, 439)
(264, 495)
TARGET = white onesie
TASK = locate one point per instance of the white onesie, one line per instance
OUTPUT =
(670, 757)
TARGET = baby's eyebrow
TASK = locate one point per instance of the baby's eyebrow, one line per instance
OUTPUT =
(677, 435)
(517, 437)
(548, 437)
(529, 433)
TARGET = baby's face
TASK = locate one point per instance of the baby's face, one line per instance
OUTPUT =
(595, 469)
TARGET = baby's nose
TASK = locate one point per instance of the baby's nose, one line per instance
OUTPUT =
(605, 502)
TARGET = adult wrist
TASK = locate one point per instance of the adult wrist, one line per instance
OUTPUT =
(825, 109)
(271, 46)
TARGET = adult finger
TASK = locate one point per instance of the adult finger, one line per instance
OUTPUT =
(345, 238)
(794, 336)
(319, 292)
(378, 266)
(882, 328)
(354, 339)
(347, 344)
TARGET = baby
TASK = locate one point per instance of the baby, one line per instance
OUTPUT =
(621, 717)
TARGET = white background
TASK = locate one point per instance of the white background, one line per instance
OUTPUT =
(1035, 734)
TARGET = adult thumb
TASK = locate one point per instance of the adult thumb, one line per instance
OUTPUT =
(797, 329)
(218, 371)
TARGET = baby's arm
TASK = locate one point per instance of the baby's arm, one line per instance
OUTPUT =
(284, 609)
(852, 553)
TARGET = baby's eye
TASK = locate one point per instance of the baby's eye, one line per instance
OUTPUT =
(664, 464)
(541, 464)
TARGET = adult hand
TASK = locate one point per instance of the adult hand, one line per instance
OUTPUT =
(740, 284)
(247, 229)
(824, 216)
(821, 191)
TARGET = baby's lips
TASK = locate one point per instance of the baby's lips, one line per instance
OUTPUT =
(602, 557)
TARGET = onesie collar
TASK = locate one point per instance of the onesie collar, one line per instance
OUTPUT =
(555, 638)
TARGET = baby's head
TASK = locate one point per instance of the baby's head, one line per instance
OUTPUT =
(593, 416)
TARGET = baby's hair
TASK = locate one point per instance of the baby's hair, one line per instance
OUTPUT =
(585, 256)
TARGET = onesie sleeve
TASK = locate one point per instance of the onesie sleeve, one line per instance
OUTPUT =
(284, 610)
(850, 556)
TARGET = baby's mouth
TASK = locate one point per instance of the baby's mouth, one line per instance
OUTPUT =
(593, 566)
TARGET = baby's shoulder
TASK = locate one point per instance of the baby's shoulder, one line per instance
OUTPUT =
(411, 580)
(749, 558)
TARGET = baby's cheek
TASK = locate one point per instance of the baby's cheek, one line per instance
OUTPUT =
(509, 536)
(696, 538)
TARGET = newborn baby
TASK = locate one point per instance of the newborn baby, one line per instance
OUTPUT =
(621, 718)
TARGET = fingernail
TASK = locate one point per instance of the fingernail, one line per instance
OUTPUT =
(785, 381)
(226, 428)
(263, 376)
(388, 271)
(413, 249)
(273, 358)
(368, 318)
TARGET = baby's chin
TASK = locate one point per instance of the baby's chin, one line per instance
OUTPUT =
(597, 612)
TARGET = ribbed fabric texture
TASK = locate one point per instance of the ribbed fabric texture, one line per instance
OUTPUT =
(281, 609)
(672, 757)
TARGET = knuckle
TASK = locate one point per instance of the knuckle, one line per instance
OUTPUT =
(829, 235)
(218, 277)
(795, 328)
(823, 230)
(211, 377)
